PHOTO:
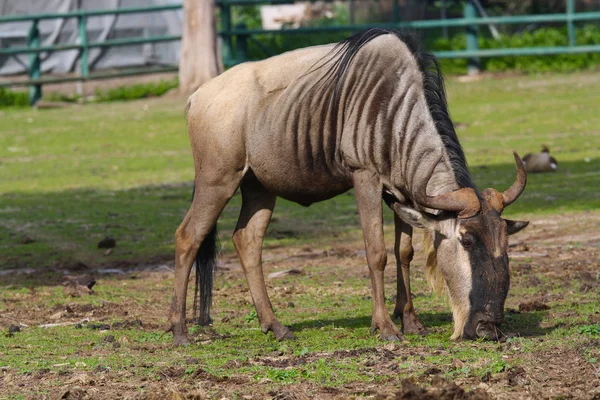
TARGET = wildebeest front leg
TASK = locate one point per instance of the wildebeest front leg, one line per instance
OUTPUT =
(403, 250)
(368, 198)
(257, 208)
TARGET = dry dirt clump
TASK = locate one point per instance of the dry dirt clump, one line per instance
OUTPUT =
(440, 389)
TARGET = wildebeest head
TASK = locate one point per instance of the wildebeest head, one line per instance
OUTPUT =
(471, 243)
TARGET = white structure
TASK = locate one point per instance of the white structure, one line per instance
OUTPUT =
(64, 31)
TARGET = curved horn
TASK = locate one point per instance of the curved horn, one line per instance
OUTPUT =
(512, 193)
(463, 201)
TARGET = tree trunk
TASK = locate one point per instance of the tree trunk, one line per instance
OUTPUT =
(199, 60)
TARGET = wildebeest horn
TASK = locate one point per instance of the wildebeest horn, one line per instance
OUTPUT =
(512, 193)
(463, 201)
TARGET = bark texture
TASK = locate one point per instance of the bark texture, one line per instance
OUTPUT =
(199, 60)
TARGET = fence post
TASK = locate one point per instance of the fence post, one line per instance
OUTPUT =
(570, 25)
(241, 45)
(470, 13)
(33, 41)
(83, 60)
(395, 11)
(226, 32)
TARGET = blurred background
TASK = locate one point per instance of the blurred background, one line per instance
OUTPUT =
(84, 40)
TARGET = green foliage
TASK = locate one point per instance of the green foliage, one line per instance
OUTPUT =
(590, 330)
(121, 93)
(282, 375)
(544, 37)
(151, 337)
(262, 46)
(251, 316)
(63, 97)
(498, 366)
(139, 91)
(301, 352)
(10, 98)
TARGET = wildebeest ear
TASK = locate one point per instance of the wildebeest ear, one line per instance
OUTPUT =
(415, 218)
(515, 226)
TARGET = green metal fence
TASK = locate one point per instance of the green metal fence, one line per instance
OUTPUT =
(232, 33)
(470, 22)
(34, 49)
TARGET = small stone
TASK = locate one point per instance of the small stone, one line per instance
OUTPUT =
(26, 239)
(533, 306)
(100, 369)
(56, 316)
(108, 339)
(14, 329)
(107, 243)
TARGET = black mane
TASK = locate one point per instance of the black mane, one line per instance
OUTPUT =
(433, 82)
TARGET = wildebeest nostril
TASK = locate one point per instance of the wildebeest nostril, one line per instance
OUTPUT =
(489, 331)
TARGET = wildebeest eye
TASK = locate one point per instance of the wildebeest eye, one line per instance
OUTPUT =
(467, 241)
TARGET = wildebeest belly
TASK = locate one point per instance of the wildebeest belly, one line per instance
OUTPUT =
(296, 171)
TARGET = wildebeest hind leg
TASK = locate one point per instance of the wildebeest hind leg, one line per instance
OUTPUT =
(403, 250)
(209, 201)
(257, 208)
(368, 190)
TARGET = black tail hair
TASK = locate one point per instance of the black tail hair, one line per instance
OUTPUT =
(206, 265)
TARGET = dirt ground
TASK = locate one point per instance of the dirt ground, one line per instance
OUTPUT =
(565, 249)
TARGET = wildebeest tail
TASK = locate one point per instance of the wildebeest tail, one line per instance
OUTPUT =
(206, 265)
(433, 273)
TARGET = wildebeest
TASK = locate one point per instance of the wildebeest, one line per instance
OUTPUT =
(541, 162)
(369, 113)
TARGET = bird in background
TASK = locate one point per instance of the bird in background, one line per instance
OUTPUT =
(540, 162)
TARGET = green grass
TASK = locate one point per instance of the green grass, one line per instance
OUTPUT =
(70, 177)
(337, 348)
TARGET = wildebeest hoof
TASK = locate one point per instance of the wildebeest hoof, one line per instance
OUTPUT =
(388, 333)
(391, 337)
(281, 332)
(285, 335)
(416, 330)
(181, 340)
(412, 326)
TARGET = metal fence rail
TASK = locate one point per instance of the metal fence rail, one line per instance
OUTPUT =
(470, 22)
(34, 49)
(229, 31)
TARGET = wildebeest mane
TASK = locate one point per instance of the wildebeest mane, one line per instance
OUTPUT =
(340, 59)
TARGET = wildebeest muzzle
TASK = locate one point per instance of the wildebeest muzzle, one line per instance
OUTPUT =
(483, 326)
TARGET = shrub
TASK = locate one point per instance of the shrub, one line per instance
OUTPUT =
(544, 37)
(137, 91)
(10, 98)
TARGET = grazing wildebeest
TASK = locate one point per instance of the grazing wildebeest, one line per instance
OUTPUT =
(368, 113)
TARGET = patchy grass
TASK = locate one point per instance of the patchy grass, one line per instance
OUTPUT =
(71, 177)
(551, 351)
